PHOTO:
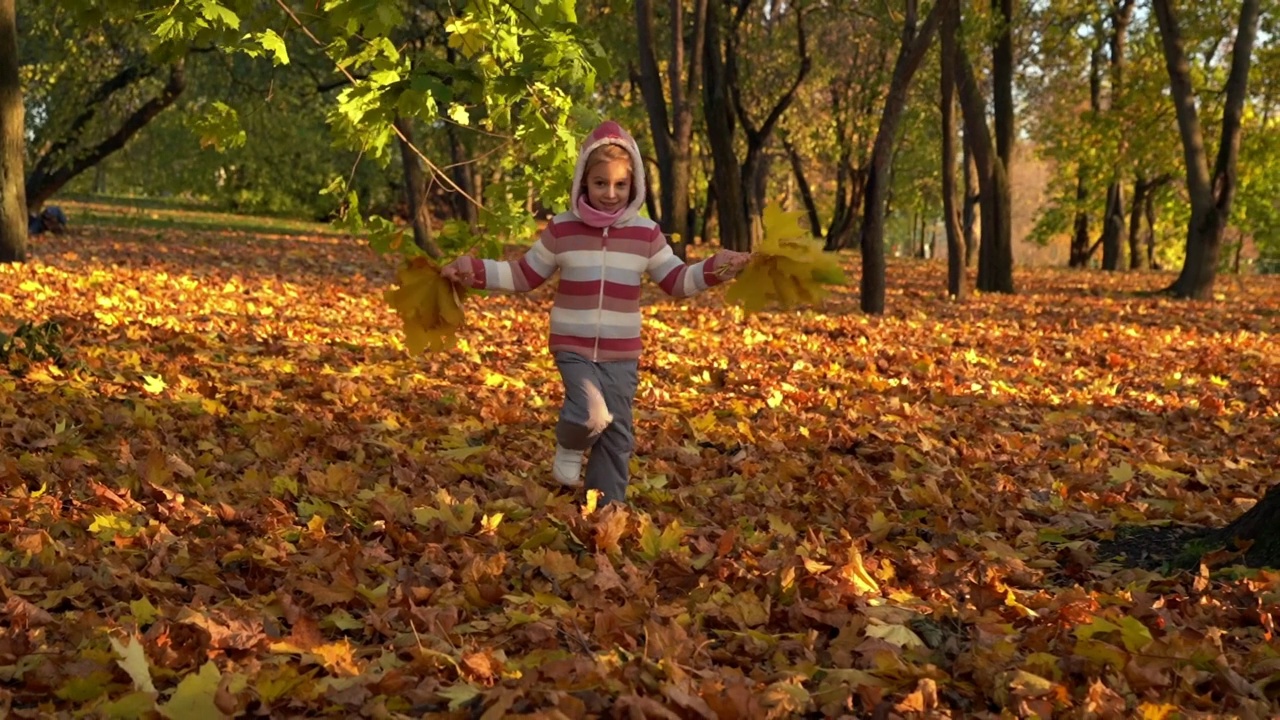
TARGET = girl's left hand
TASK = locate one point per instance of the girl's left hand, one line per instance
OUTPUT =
(735, 261)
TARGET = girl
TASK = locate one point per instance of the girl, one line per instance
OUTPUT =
(602, 247)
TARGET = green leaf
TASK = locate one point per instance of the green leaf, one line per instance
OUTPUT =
(219, 127)
(193, 700)
(133, 706)
(274, 44)
(459, 114)
(1121, 473)
(83, 688)
(216, 13)
(1134, 634)
(459, 695)
(144, 613)
(1098, 626)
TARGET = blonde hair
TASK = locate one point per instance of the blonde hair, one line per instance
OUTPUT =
(609, 152)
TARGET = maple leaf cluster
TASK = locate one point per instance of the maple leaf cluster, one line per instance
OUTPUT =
(788, 269)
(237, 495)
(429, 306)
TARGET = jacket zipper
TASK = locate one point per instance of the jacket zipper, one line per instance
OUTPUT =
(604, 266)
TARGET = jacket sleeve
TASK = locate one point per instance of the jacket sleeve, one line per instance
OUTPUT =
(678, 278)
(526, 273)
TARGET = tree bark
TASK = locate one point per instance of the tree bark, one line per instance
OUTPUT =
(415, 190)
(13, 203)
(1143, 189)
(1002, 81)
(850, 189)
(1113, 224)
(1150, 212)
(56, 169)
(802, 184)
(1112, 227)
(1135, 224)
(968, 214)
(672, 132)
(755, 167)
(1079, 256)
(1081, 245)
(950, 209)
(1211, 195)
(915, 42)
(995, 255)
(464, 176)
(731, 216)
(1259, 526)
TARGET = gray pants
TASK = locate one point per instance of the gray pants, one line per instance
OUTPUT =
(608, 466)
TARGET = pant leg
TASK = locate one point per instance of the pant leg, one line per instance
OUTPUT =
(608, 468)
(571, 429)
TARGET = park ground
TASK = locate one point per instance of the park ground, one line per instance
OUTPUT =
(228, 489)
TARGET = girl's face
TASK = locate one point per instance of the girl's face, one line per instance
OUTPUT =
(609, 185)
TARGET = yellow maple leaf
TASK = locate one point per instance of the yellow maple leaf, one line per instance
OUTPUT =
(430, 307)
(337, 658)
(788, 268)
(856, 573)
(153, 384)
(895, 634)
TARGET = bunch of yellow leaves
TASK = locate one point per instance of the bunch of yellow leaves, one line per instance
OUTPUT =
(789, 267)
(429, 306)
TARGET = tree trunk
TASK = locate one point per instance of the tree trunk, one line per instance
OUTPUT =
(1081, 246)
(915, 42)
(464, 176)
(708, 212)
(950, 211)
(755, 167)
(995, 256)
(1135, 224)
(1112, 227)
(731, 216)
(415, 190)
(1079, 256)
(1113, 224)
(1002, 68)
(1260, 526)
(1150, 212)
(1211, 194)
(13, 204)
(55, 169)
(806, 193)
(672, 132)
(999, 259)
(850, 189)
(968, 213)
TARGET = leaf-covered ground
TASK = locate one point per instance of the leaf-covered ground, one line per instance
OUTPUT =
(239, 494)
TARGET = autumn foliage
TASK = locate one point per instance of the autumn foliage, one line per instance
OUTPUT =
(234, 491)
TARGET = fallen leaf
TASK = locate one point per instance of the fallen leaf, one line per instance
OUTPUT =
(194, 697)
(134, 662)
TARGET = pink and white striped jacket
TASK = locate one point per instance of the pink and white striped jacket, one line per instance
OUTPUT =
(596, 312)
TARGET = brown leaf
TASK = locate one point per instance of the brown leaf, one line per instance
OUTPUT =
(23, 614)
(605, 577)
(638, 707)
(688, 701)
(336, 593)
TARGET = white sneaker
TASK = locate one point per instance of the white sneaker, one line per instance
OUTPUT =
(567, 468)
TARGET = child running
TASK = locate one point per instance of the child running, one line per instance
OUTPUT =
(602, 247)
